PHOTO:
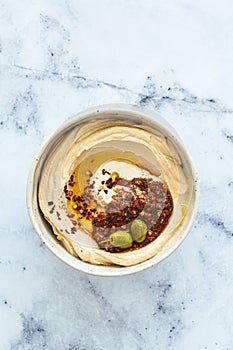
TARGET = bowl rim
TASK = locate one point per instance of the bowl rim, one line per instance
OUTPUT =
(55, 247)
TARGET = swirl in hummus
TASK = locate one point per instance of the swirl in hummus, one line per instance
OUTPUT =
(114, 192)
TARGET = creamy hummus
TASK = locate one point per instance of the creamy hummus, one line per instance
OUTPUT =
(133, 149)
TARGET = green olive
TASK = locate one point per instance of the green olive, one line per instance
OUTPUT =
(138, 230)
(121, 239)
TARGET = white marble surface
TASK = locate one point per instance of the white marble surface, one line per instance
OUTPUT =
(58, 57)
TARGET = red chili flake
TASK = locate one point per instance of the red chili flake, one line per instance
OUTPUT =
(104, 171)
(109, 182)
(58, 215)
(73, 230)
(52, 209)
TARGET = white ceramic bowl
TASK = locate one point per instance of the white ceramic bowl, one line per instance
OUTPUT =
(44, 230)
